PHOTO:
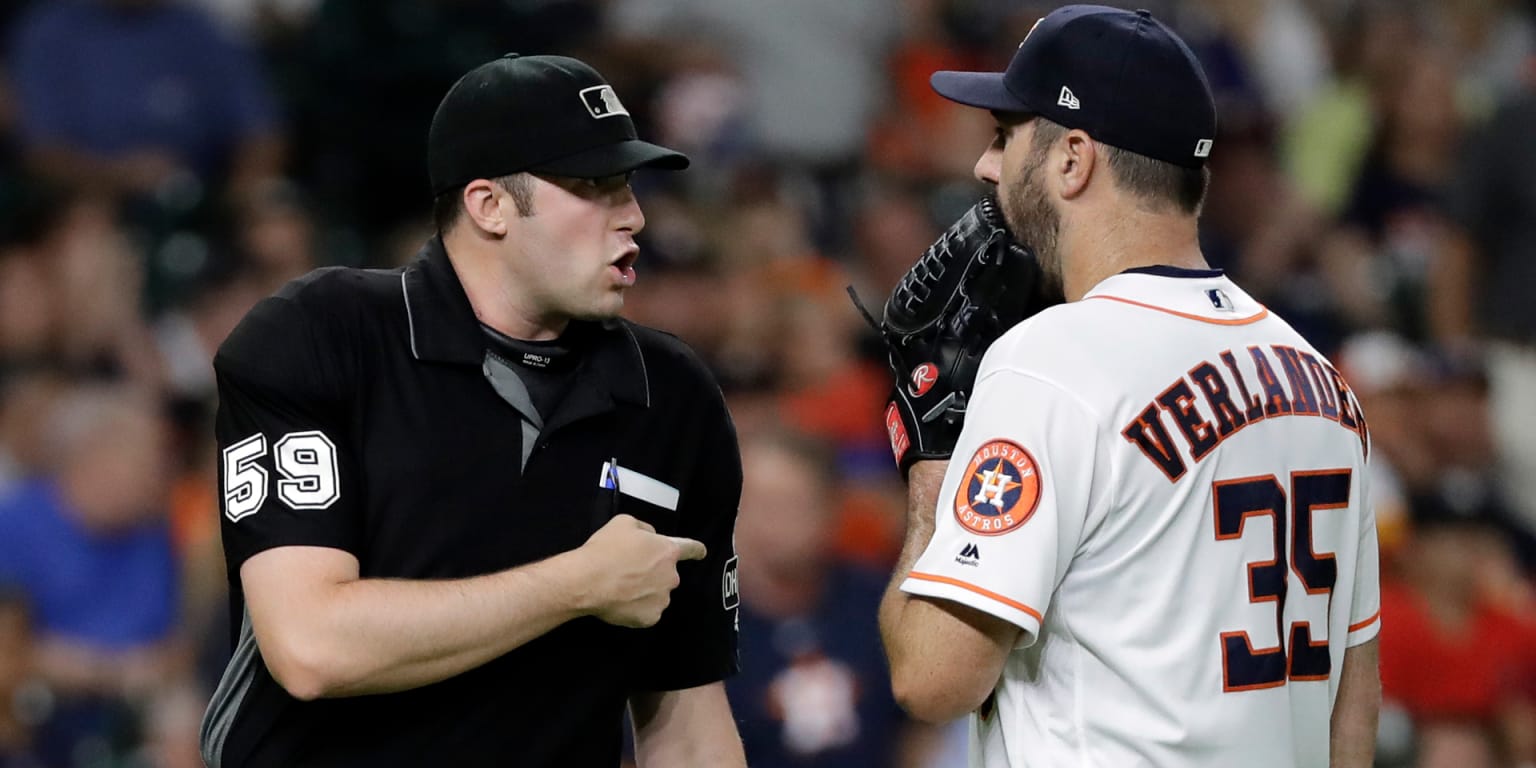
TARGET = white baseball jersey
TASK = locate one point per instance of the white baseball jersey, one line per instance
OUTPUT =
(1164, 486)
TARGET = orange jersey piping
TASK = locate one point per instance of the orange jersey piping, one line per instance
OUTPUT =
(1254, 318)
(1016, 605)
(1366, 623)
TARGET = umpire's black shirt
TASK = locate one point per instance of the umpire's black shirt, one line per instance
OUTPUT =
(354, 413)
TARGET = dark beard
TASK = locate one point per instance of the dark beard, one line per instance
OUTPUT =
(1035, 223)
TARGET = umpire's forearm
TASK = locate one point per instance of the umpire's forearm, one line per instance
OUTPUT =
(457, 625)
(336, 638)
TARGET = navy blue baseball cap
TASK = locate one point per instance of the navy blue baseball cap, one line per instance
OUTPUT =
(1123, 77)
(545, 114)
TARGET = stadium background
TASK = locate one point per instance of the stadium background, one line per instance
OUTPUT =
(165, 163)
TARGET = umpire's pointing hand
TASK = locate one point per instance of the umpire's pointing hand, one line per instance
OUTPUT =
(634, 570)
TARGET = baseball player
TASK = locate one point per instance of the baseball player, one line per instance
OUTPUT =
(1153, 544)
(470, 515)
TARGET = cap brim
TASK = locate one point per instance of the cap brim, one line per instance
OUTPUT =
(977, 89)
(614, 159)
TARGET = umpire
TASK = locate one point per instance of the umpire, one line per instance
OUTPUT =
(469, 513)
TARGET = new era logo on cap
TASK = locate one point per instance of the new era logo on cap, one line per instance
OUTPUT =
(1068, 99)
(602, 102)
(1203, 148)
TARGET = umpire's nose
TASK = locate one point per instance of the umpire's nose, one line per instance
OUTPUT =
(989, 166)
(627, 209)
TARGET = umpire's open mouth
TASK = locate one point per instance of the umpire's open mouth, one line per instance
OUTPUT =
(624, 266)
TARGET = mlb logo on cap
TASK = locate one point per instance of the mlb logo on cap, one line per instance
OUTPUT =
(602, 102)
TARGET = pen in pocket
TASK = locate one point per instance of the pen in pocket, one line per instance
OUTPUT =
(613, 483)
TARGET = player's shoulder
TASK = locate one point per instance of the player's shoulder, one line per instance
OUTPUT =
(1081, 351)
(1057, 338)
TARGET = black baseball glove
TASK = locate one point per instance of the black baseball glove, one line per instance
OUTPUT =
(971, 285)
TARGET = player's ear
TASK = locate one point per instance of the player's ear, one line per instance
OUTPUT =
(482, 205)
(1076, 163)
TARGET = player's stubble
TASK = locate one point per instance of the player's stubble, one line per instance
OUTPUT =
(1033, 220)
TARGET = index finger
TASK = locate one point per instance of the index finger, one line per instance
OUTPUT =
(689, 549)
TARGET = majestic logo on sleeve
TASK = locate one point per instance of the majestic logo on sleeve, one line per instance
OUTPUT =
(1000, 489)
(923, 378)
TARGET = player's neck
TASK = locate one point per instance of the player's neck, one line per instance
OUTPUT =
(493, 293)
(1096, 251)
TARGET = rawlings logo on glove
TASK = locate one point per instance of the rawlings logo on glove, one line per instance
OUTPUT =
(923, 378)
(974, 283)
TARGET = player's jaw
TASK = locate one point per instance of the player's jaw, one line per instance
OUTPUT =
(1014, 165)
(1033, 220)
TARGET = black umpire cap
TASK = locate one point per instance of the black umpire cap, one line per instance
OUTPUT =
(547, 114)
(1122, 76)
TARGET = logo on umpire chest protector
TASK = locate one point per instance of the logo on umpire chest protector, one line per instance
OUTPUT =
(730, 586)
(602, 102)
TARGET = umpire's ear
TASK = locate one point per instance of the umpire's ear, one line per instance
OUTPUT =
(488, 206)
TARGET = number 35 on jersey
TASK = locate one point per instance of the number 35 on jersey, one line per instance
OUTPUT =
(306, 462)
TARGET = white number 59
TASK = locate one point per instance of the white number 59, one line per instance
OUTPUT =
(306, 460)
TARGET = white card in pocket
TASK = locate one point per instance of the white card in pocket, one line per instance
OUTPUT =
(640, 486)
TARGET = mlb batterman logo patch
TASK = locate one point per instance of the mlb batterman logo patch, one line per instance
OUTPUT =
(602, 102)
(1000, 489)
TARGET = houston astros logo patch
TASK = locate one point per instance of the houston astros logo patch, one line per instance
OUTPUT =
(923, 378)
(1000, 489)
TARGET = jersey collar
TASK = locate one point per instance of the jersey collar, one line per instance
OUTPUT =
(441, 322)
(443, 329)
(1165, 270)
(1206, 295)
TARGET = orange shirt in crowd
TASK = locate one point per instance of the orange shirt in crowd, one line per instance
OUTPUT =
(1439, 673)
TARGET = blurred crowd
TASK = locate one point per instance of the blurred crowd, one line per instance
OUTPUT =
(166, 163)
